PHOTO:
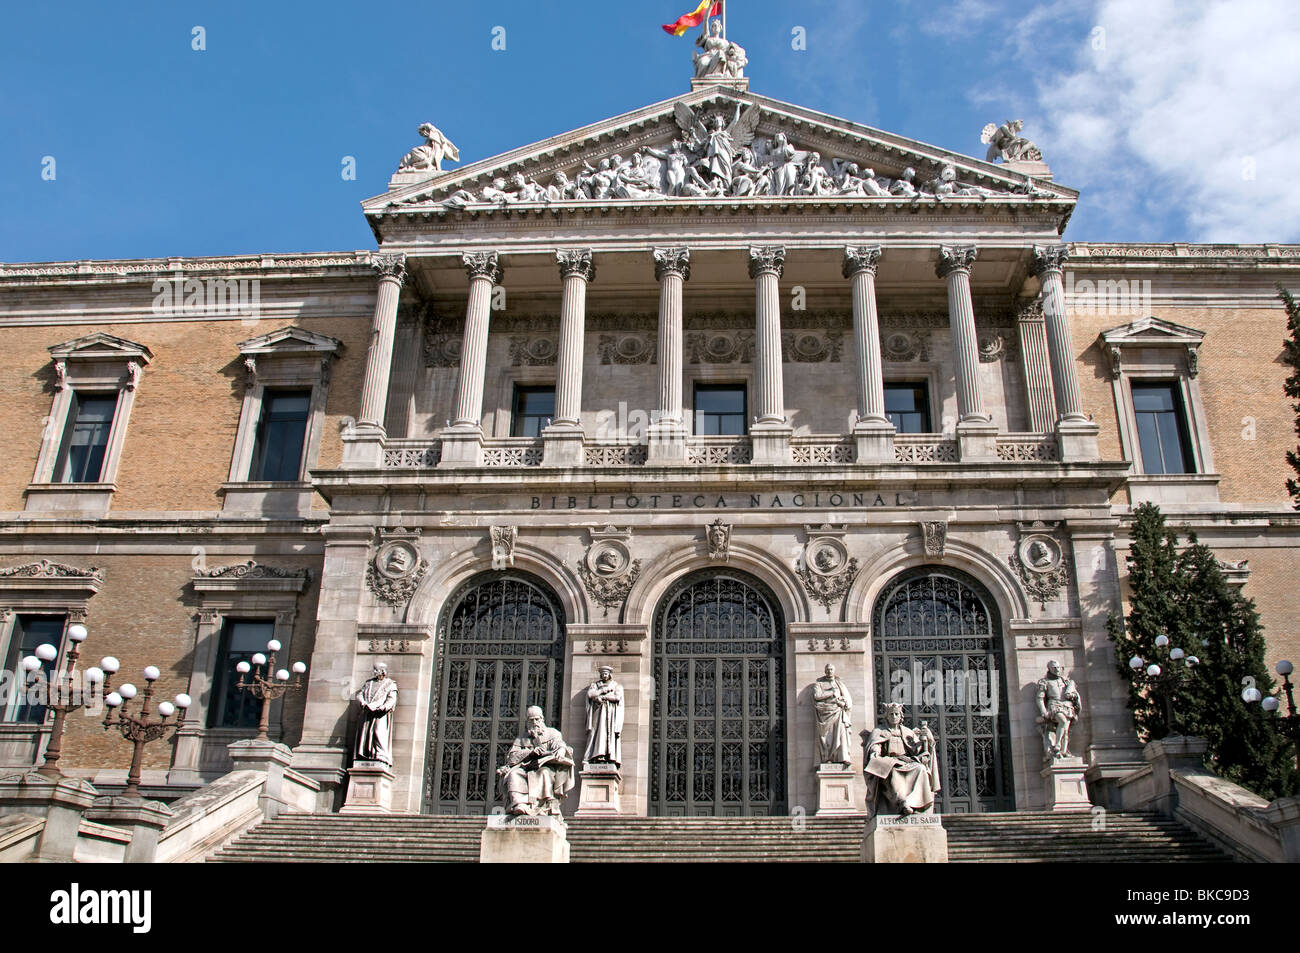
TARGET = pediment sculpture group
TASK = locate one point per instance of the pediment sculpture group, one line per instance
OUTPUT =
(900, 764)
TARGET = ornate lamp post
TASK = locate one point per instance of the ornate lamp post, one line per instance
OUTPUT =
(1167, 678)
(270, 687)
(140, 729)
(1288, 724)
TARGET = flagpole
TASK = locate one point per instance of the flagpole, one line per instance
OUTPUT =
(724, 18)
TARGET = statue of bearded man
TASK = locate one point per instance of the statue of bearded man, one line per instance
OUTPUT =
(378, 698)
(538, 772)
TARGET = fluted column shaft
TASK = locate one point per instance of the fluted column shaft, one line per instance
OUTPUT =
(484, 271)
(576, 270)
(954, 266)
(379, 355)
(860, 267)
(766, 263)
(673, 270)
(1037, 368)
(1048, 263)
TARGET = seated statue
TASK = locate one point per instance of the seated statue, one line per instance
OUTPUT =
(900, 766)
(538, 772)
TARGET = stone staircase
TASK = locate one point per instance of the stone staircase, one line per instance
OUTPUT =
(1021, 837)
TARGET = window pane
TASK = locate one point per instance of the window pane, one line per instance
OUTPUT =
(908, 407)
(232, 707)
(1162, 429)
(280, 434)
(720, 409)
(29, 632)
(534, 408)
(90, 418)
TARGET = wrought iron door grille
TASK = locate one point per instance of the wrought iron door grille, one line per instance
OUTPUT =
(500, 650)
(718, 734)
(937, 648)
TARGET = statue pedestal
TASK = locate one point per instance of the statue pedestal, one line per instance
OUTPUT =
(601, 785)
(370, 789)
(835, 790)
(1065, 787)
(915, 839)
(521, 839)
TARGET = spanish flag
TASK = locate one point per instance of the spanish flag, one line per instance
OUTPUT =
(694, 18)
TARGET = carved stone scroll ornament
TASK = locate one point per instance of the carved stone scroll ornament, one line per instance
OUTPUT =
(442, 349)
(397, 567)
(503, 546)
(811, 347)
(934, 534)
(255, 570)
(827, 570)
(718, 536)
(627, 349)
(1042, 566)
(906, 346)
(533, 352)
(608, 571)
(720, 347)
(44, 569)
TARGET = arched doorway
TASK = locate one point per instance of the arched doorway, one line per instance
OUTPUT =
(936, 643)
(718, 718)
(500, 649)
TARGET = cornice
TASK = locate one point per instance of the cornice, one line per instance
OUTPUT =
(349, 264)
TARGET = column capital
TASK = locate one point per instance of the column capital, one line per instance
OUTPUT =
(392, 266)
(482, 264)
(576, 262)
(859, 258)
(1031, 310)
(766, 260)
(672, 261)
(1050, 258)
(955, 258)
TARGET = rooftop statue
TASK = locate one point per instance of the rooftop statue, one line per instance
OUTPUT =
(430, 155)
(718, 56)
(1005, 142)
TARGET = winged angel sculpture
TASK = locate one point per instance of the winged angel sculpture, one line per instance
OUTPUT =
(716, 141)
(1006, 143)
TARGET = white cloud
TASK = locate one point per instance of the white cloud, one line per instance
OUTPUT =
(1183, 106)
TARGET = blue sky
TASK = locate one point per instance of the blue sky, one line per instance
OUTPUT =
(1175, 117)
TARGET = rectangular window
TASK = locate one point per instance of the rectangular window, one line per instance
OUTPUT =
(908, 407)
(85, 438)
(29, 632)
(1162, 428)
(234, 707)
(277, 452)
(720, 409)
(533, 410)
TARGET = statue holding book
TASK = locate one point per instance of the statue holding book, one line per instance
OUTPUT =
(900, 766)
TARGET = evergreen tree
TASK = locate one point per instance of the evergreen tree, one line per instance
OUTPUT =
(1291, 355)
(1186, 597)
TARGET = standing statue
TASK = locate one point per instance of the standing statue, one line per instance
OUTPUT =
(538, 772)
(716, 141)
(834, 705)
(378, 698)
(430, 155)
(901, 766)
(718, 56)
(1058, 708)
(1005, 142)
(604, 720)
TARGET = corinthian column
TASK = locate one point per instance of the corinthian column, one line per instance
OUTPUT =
(1077, 434)
(668, 428)
(462, 442)
(1037, 368)
(770, 432)
(976, 434)
(563, 440)
(363, 445)
(873, 432)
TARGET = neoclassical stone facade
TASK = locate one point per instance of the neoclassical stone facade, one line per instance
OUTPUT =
(577, 412)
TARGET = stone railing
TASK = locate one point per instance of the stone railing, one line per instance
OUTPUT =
(718, 451)
(411, 454)
(823, 448)
(512, 452)
(925, 448)
(1028, 448)
(615, 454)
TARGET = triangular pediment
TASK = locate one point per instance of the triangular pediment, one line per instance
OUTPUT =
(671, 154)
(100, 346)
(290, 340)
(1152, 332)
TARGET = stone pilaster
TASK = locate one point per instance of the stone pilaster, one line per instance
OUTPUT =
(363, 446)
(1077, 434)
(563, 440)
(1037, 368)
(770, 432)
(668, 427)
(873, 433)
(462, 442)
(976, 433)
